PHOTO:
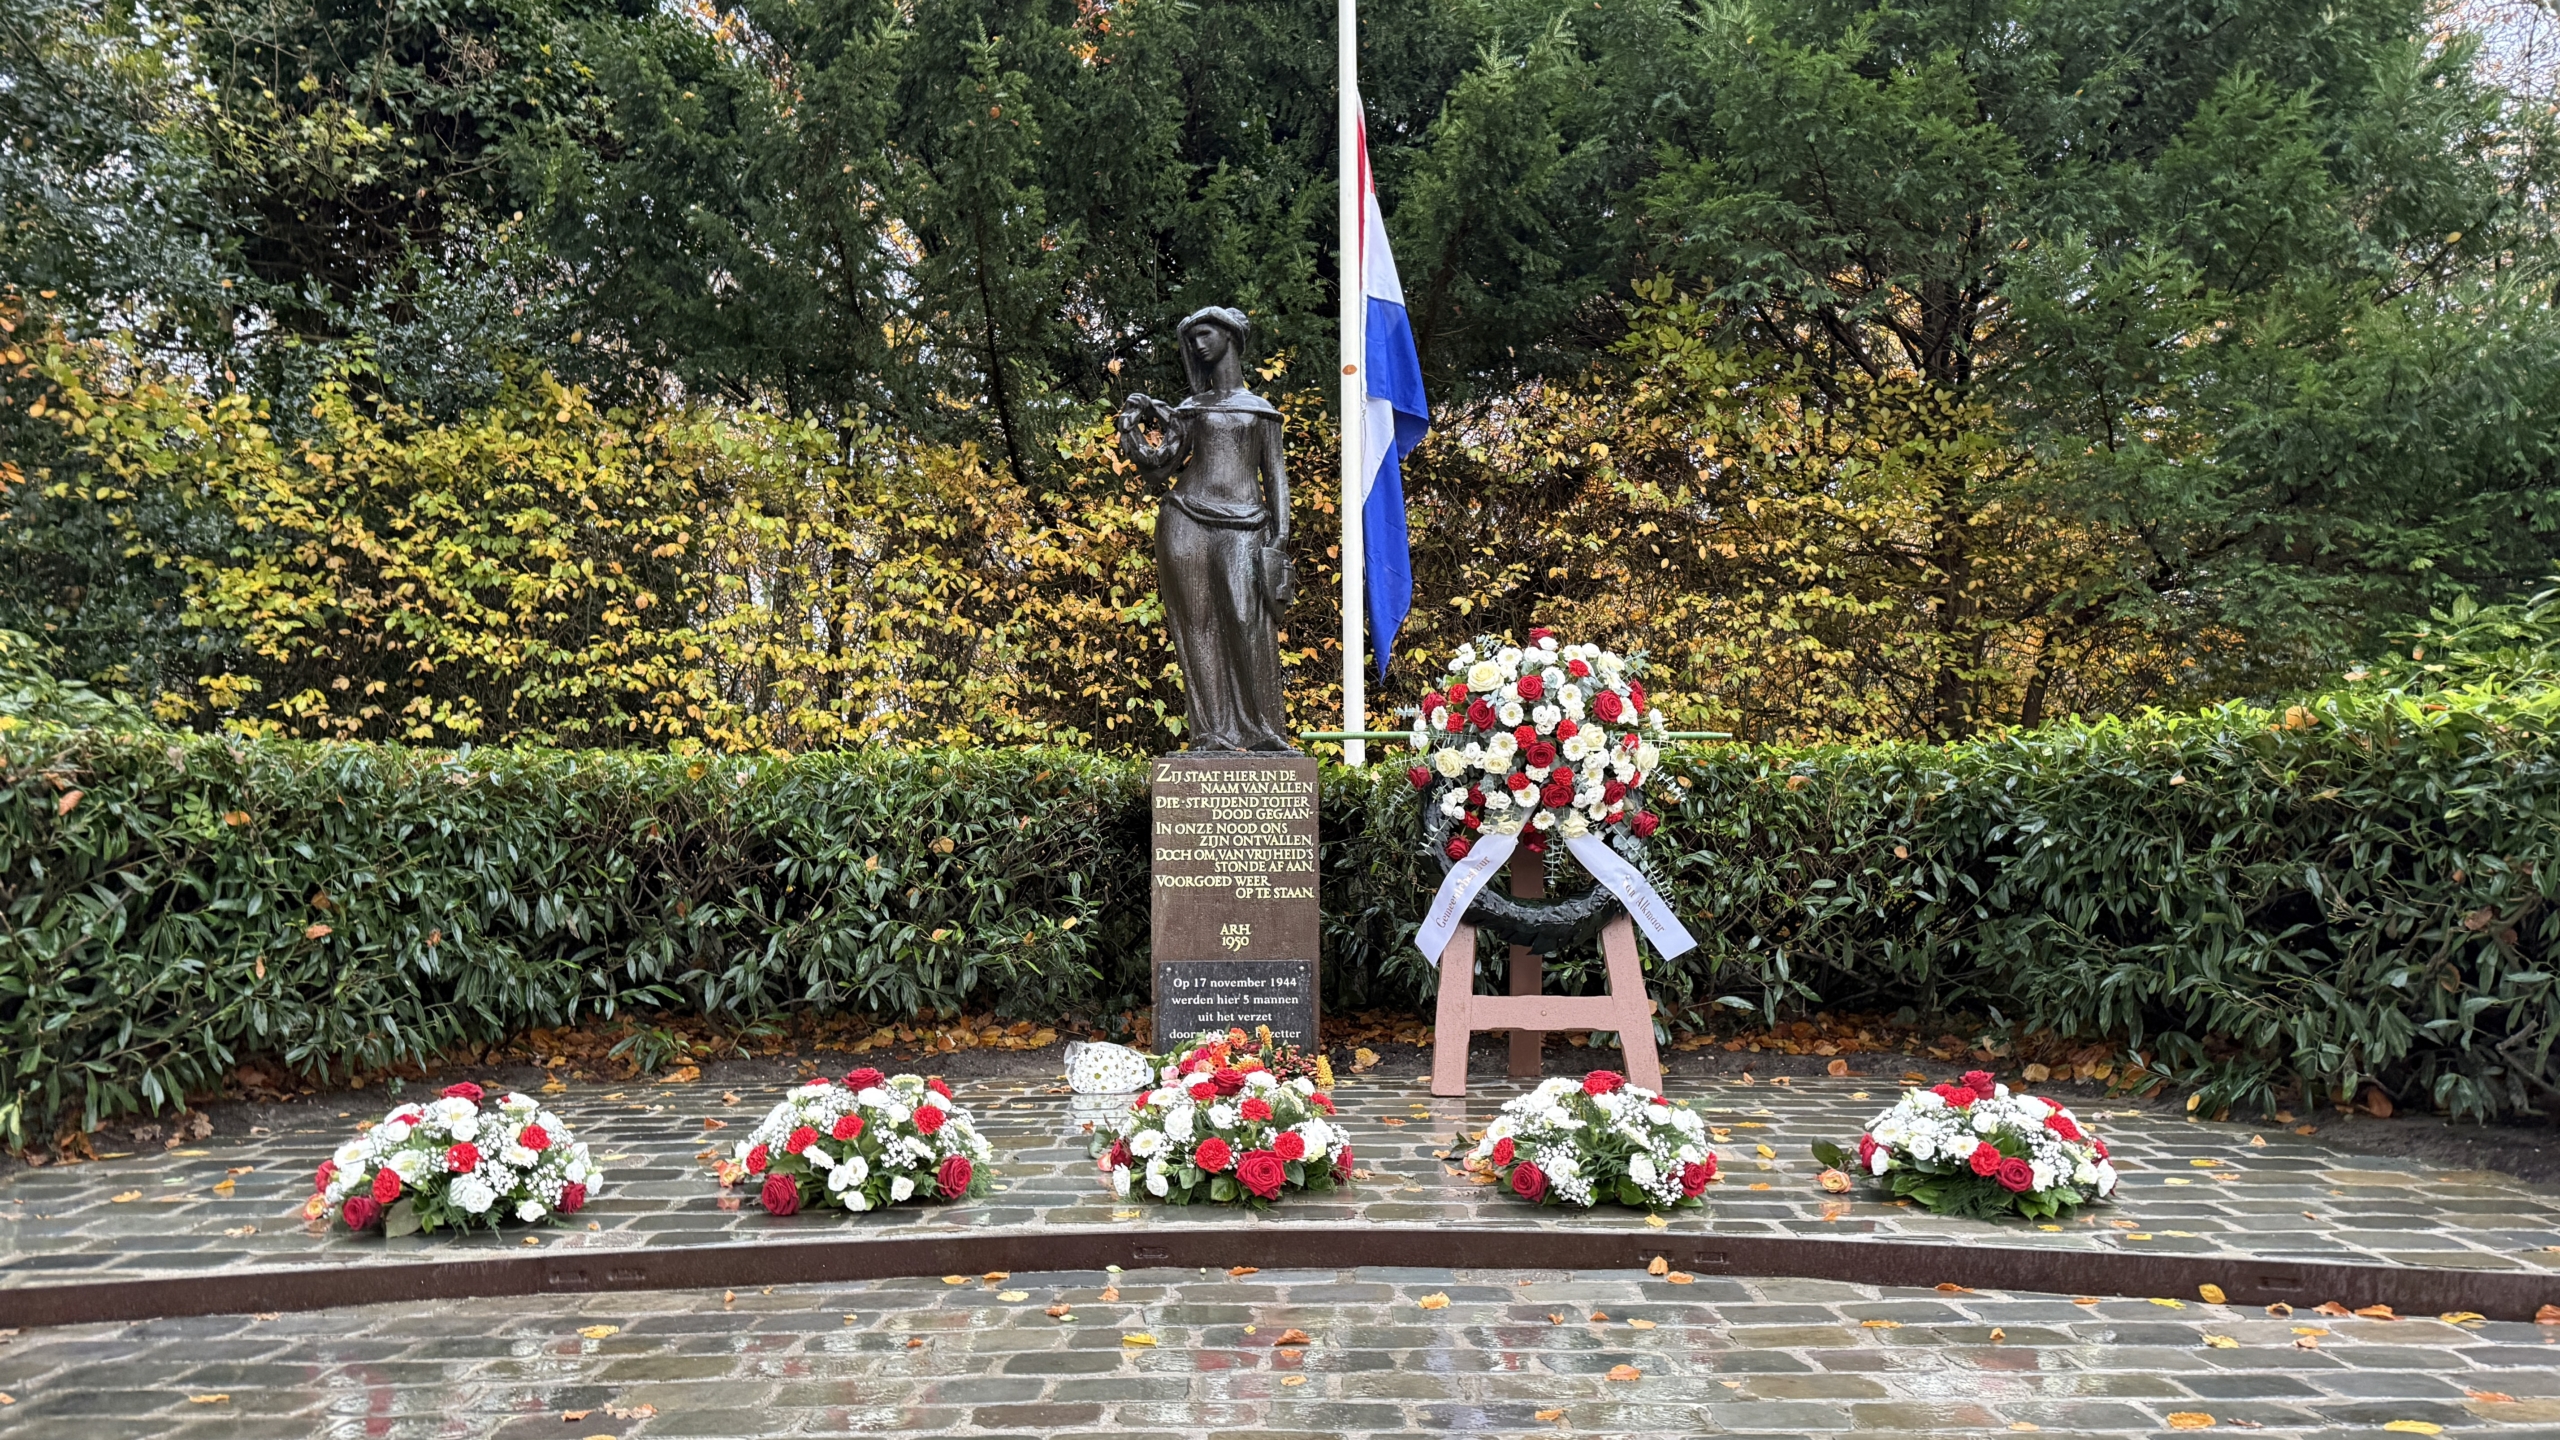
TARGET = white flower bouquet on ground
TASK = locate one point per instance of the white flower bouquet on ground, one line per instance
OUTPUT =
(1225, 1128)
(862, 1143)
(457, 1160)
(1580, 1142)
(1976, 1148)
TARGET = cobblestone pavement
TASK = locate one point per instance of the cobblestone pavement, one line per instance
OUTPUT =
(1384, 1352)
(2190, 1188)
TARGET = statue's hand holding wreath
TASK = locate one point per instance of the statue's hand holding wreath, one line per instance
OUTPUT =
(1155, 459)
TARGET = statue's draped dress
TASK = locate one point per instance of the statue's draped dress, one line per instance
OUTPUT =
(1209, 538)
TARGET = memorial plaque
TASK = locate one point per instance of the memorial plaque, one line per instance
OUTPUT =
(1235, 922)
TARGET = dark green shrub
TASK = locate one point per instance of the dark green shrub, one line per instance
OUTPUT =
(2355, 891)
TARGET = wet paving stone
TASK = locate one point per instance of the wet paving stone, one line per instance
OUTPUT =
(1548, 1353)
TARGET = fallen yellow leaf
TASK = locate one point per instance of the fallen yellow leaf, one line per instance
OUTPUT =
(222, 1399)
(2169, 1304)
(598, 1332)
(225, 1187)
(1012, 1296)
(1548, 1415)
(1680, 1277)
(1766, 1153)
(1640, 1324)
(992, 1276)
(1660, 1266)
(2190, 1420)
(1434, 1301)
(1293, 1379)
(1240, 1271)
(2222, 1342)
(1998, 1334)
(1137, 1337)
(2211, 1294)
(1657, 1222)
(123, 1198)
(2461, 1317)
(1625, 1372)
(2377, 1312)
(955, 1279)
(2491, 1397)
(1880, 1324)
(1293, 1336)
(2415, 1427)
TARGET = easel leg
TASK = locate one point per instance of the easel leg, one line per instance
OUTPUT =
(1626, 987)
(1450, 1032)
(1528, 971)
(1528, 1058)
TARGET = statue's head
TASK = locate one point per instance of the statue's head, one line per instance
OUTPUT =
(1213, 347)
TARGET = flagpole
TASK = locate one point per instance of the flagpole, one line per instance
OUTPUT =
(1355, 397)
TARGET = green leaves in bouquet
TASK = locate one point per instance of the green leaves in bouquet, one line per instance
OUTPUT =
(1223, 1189)
(401, 1219)
(1832, 1157)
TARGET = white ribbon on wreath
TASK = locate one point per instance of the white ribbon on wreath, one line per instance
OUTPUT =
(1458, 889)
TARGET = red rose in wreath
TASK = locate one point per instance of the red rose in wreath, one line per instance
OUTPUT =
(1601, 1082)
(361, 1212)
(1608, 706)
(1697, 1176)
(2017, 1176)
(951, 1181)
(1260, 1172)
(2062, 1125)
(465, 1091)
(780, 1195)
(865, 1078)
(1228, 1080)
(1539, 754)
(1533, 687)
(1528, 1181)
(1645, 823)
(1557, 794)
(1420, 775)
(534, 1137)
(573, 1198)
(328, 1172)
(1480, 715)
(1457, 847)
(1980, 1082)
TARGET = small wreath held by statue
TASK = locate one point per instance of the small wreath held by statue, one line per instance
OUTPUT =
(1526, 747)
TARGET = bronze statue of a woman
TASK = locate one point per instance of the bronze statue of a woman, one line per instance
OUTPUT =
(1222, 537)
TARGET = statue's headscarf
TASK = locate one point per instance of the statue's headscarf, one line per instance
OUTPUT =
(1231, 321)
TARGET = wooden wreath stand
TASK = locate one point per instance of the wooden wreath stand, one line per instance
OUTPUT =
(1526, 1013)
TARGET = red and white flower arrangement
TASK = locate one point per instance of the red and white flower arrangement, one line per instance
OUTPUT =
(1977, 1148)
(861, 1143)
(1541, 741)
(457, 1160)
(1580, 1142)
(1224, 1127)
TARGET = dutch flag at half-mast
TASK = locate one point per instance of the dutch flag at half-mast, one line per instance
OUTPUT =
(1398, 418)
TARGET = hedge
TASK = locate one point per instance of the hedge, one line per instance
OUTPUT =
(2355, 892)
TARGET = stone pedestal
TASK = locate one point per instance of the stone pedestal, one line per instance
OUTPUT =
(1235, 920)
